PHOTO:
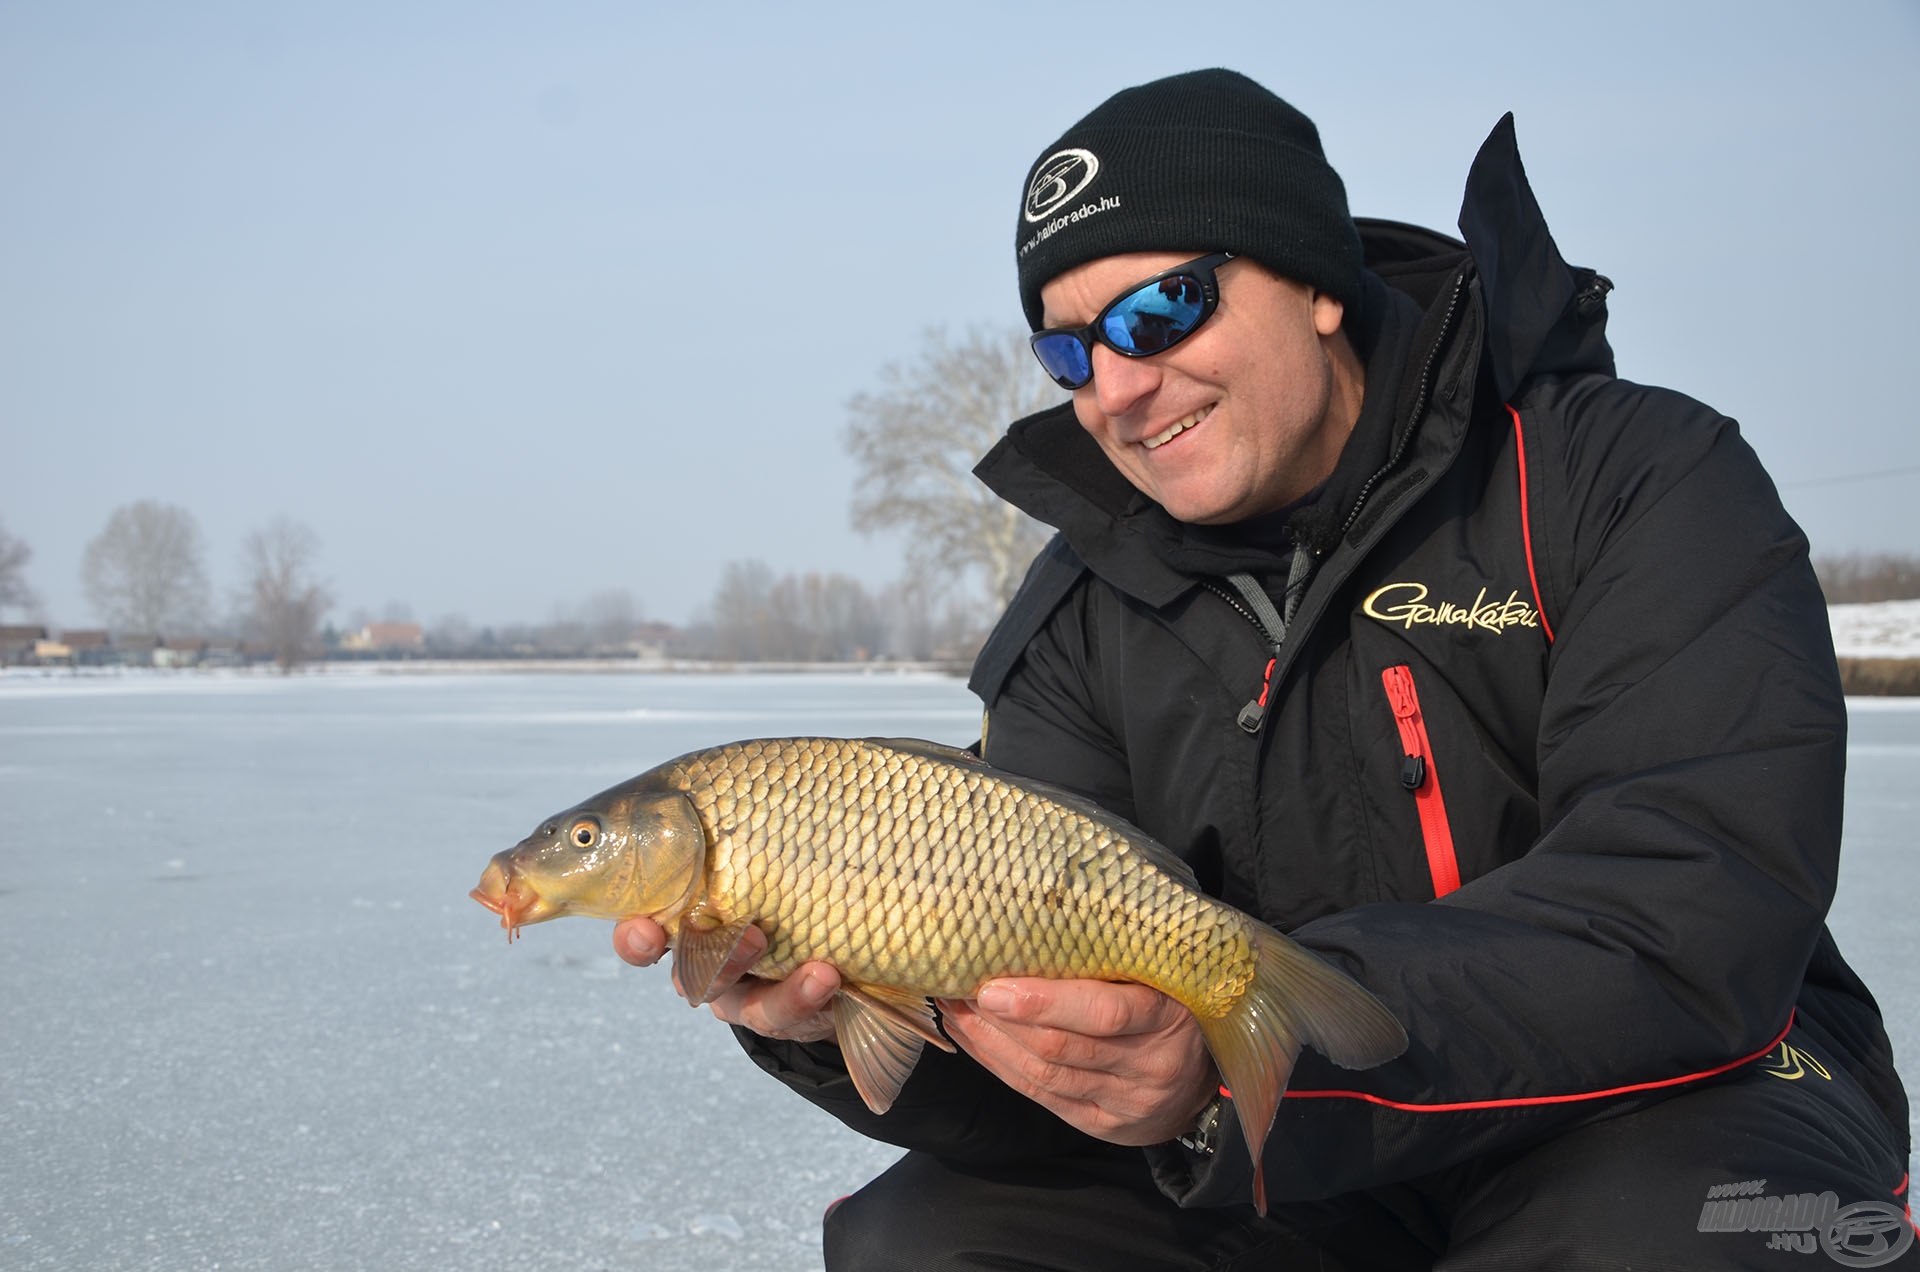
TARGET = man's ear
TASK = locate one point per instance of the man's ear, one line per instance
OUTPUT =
(1327, 313)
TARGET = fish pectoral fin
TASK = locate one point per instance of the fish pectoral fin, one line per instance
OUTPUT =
(703, 951)
(881, 1034)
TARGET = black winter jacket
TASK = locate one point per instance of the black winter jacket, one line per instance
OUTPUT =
(1550, 756)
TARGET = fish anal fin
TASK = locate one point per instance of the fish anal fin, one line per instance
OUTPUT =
(881, 1034)
(702, 950)
(910, 1011)
(1295, 998)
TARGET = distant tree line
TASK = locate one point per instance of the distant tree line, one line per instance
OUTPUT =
(756, 616)
(1862, 577)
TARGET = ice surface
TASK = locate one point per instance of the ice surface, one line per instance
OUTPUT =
(249, 1018)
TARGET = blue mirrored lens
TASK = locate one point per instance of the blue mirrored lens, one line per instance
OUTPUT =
(1064, 358)
(1155, 317)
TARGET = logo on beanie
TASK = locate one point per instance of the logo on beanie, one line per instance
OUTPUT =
(1060, 176)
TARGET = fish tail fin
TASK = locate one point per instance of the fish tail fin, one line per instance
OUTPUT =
(1295, 998)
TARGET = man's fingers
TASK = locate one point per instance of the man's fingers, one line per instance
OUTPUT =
(639, 941)
(1107, 1095)
(1063, 1060)
(794, 1008)
(1100, 1009)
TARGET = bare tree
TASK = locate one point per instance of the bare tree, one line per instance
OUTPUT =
(825, 618)
(916, 440)
(609, 619)
(745, 624)
(813, 617)
(922, 625)
(451, 634)
(14, 592)
(284, 603)
(144, 572)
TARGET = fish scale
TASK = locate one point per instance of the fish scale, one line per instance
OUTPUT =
(920, 873)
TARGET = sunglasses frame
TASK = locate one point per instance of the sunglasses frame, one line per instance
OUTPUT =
(1200, 268)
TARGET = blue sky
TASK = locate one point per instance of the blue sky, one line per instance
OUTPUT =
(513, 303)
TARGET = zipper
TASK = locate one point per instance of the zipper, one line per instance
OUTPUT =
(1419, 405)
(1254, 713)
(1419, 776)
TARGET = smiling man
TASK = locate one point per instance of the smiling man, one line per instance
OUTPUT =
(1500, 682)
(1244, 418)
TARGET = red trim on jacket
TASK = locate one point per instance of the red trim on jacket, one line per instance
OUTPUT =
(1529, 1101)
(1526, 521)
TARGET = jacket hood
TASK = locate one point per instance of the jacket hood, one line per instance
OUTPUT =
(1541, 315)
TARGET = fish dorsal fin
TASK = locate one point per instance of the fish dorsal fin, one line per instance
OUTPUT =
(881, 1033)
(702, 950)
(930, 750)
(1148, 847)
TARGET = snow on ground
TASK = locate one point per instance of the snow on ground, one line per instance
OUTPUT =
(1885, 629)
(249, 1017)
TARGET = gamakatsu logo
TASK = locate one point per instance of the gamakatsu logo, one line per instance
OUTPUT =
(1406, 605)
(1061, 175)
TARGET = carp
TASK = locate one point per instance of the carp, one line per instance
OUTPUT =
(920, 872)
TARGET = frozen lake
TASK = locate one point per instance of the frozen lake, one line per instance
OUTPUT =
(251, 1020)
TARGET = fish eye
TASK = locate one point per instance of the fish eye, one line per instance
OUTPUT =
(585, 833)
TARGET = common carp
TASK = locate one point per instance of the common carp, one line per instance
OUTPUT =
(920, 872)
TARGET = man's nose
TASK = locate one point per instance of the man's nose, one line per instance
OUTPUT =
(1119, 383)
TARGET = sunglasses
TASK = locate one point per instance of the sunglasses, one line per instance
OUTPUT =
(1148, 318)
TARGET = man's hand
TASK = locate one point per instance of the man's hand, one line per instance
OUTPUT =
(1123, 1063)
(794, 1008)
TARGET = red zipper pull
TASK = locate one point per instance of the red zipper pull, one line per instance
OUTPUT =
(1255, 711)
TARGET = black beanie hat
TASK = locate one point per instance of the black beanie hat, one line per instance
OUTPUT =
(1207, 161)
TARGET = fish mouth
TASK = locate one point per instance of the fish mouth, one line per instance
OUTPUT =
(508, 896)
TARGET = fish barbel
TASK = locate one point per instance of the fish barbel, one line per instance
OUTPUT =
(920, 872)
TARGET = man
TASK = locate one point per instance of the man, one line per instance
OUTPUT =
(1500, 683)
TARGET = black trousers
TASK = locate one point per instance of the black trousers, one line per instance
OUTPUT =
(1789, 1165)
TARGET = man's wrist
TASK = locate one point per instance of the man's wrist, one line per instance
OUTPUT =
(1205, 1136)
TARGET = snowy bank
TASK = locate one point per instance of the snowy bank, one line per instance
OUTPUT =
(1884, 629)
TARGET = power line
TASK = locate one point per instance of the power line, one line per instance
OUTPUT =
(1908, 471)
